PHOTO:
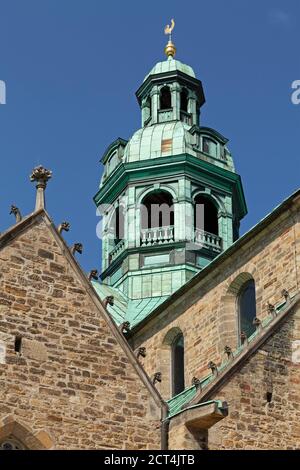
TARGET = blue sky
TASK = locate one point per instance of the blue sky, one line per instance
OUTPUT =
(71, 69)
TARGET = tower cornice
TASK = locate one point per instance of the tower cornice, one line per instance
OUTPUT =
(184, 164)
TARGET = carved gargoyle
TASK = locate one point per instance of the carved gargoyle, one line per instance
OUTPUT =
(93, 274)
(16, 212)
(197, 383)
(156, 378)
(286, 295)
(64, 226)
(77, 248)
(257, 323)
(141, 352)
(244, 337)
(213, 367)
(109, 300)
(271, 309)
(228, 352)
(124, 328)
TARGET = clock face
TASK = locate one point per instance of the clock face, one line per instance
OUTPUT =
(10, 444)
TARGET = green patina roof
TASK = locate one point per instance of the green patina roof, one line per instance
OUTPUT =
(176, 403)
(146, 142)
(136, 310)
(171, 65)
(125, 309)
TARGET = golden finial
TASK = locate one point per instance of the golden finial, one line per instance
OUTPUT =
(170, 49)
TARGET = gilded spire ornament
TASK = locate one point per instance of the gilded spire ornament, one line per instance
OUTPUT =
(170, 49)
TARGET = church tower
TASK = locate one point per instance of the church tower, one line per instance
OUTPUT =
(170, 197)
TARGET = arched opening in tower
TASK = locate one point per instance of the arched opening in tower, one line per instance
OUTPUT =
(157, 218)
(157, 210)
(205, 215)
(165, 101)
(184, 100)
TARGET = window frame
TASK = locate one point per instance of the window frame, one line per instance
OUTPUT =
(239, 309)
(173, 382)
(213, 141)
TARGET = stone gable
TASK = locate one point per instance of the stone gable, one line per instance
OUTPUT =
(73, 377)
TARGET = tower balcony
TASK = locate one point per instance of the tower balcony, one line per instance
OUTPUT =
(164, 235)
(157, 235)
(208, 240)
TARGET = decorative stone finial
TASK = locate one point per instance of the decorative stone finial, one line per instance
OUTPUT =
(16, 212)
(63, 226)
(41, 176)
(170, 49)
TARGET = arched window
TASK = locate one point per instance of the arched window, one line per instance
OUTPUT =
(210, 146)
(165, 98)
(205, 215)
(16, 436)
(157, 210)
(184, 100)
(247, 307)
(177, 361)
(171, 363)
(112, 162)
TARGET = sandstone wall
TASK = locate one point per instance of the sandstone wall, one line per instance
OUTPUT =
(256, 421)
(207, 313)
(73, 385)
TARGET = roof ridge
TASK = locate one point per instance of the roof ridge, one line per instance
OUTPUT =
(227, 368)
(189, 395)
(6, 235)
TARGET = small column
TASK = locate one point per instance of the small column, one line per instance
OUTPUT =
(133, 221)
(154, 104)
(145, 111)
(192, 108)
(175, 94)
(41, 176)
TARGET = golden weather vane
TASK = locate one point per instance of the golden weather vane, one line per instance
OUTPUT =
(170, 49)
(168, 28)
